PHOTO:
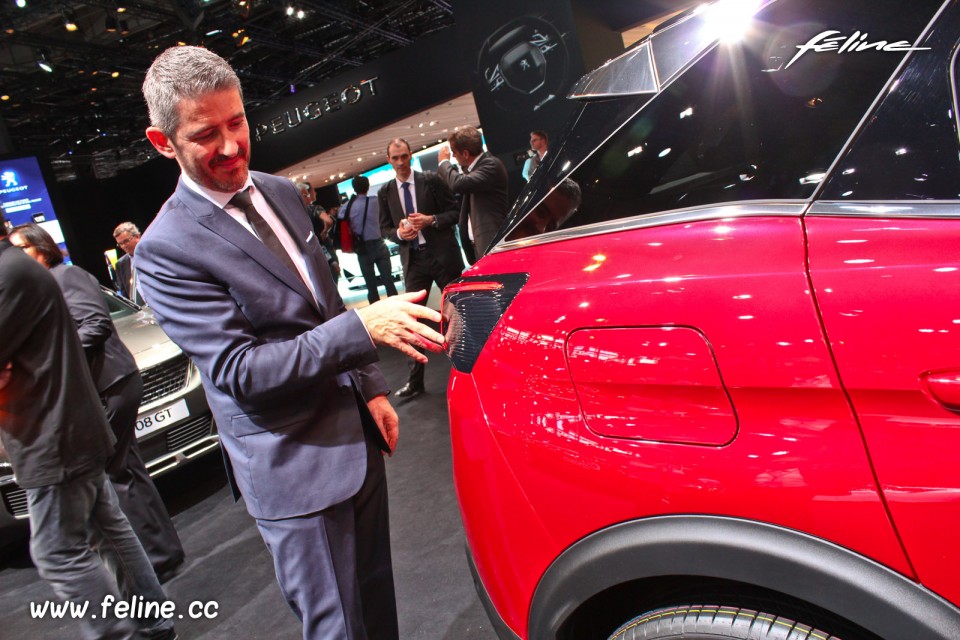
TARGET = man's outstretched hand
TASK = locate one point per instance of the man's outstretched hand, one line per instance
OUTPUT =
(393, 322)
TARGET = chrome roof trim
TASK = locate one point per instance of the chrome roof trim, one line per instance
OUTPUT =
(887, 209)
(729, 210)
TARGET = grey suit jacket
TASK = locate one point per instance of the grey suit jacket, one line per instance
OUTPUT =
(434, 198)
(485, 200)
(124, 272)
(279, 368)
(109, 359)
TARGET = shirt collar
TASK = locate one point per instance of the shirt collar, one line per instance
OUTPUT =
(219, 198)
(409, 181)
(474, 163)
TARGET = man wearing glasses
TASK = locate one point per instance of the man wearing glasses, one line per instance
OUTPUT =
(127, 236)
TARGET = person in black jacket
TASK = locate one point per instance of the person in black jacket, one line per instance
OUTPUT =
(482, 181)
(120, 387)
(57, 437)
(419, 213)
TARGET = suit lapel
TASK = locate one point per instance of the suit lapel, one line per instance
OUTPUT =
(220, 223)
(393, 199)
(315, 261)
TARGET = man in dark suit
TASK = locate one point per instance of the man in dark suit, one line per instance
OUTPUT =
(419, 213)
(127, 236)
(56, 435)
(235, 274)
(483, 185)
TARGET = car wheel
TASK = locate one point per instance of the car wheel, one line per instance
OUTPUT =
(715, 622)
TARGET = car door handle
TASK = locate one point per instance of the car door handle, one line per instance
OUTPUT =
(944, 387)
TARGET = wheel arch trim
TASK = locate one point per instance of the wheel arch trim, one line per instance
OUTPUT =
(799, 565)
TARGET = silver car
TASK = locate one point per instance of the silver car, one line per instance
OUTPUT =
(174, 424)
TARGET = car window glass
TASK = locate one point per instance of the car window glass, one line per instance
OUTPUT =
(741, 124)
(117, 308)
(910, 148)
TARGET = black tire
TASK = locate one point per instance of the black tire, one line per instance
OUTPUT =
(715, 622)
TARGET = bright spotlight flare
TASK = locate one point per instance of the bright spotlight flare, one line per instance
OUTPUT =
(728, 20)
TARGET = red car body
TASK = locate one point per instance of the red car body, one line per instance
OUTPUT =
(752, 398)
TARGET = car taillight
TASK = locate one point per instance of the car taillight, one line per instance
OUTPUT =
(471, 308)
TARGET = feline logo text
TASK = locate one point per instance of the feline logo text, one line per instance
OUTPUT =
(830, 40)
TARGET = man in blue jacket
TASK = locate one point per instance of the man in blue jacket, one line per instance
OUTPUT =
(236, 276)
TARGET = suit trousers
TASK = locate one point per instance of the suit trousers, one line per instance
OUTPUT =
(138, 496)
(334, 567)
(375, 252)
(423, 271)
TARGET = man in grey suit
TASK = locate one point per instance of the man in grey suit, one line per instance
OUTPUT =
(127, 236)
(483, 185)
(236, 276)
(419, 213)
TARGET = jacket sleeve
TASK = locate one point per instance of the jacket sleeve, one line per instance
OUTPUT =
(483, 177)
(447, 211)
(87, 306)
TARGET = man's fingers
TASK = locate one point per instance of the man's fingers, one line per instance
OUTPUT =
(430, 346)
(406, 349)
(429, 337)
(412, 296)
(420, 311)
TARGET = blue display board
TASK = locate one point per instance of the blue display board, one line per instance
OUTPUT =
(25, 197)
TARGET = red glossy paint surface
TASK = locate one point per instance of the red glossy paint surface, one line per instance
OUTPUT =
(888, 290)
(523, 453)
(650, 383)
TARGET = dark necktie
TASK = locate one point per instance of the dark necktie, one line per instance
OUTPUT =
(241, 200)
(408, 205)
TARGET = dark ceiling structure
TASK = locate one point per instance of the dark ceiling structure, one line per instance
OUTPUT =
(70, 72)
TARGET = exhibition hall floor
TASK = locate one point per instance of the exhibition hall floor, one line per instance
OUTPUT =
(228, 564)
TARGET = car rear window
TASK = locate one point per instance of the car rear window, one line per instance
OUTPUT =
(910, 149)
(741, 124)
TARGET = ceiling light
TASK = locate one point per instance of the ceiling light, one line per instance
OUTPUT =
(43, 63)
(121, 8)
(22, 3)
(301, 14)
(70, 21)
(4, 97)
(124, 27)
(111, 24)
(290, 10)
(114, 74)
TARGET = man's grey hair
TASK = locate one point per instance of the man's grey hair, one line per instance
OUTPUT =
(184, 73)
(126, 227)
